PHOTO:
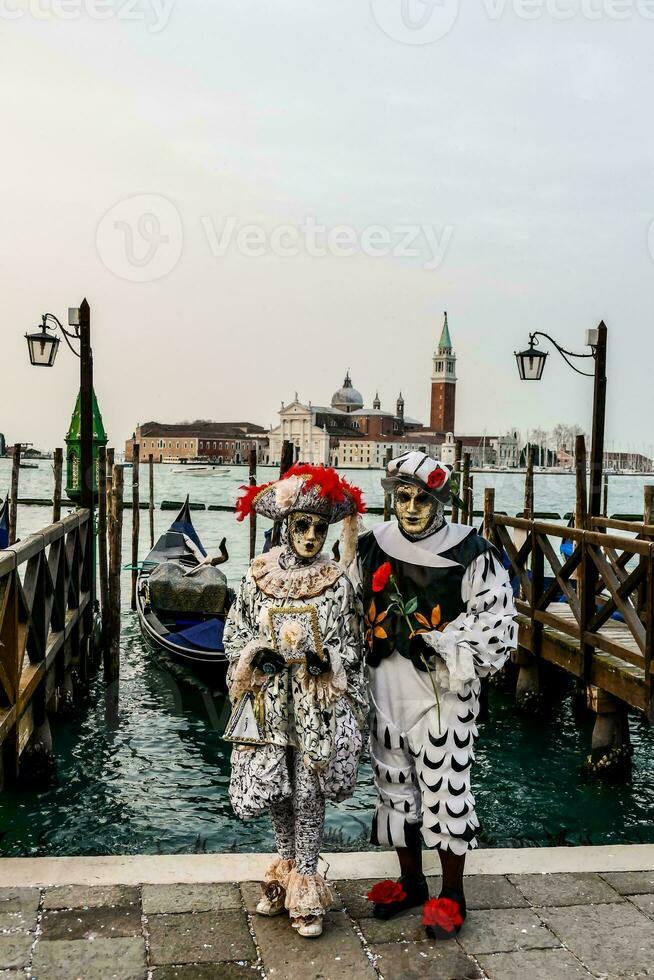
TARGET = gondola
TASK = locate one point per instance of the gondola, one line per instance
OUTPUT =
(4, 524)
(193, 638)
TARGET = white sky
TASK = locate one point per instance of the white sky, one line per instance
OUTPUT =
(526, 147)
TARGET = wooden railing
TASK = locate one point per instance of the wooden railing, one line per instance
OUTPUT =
(46, 622)
(578, 597)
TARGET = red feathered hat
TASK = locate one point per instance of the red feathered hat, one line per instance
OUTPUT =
(316, 489)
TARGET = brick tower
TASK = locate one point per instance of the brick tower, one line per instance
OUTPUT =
(443, 384)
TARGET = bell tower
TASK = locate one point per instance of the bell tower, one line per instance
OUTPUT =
(443, 384)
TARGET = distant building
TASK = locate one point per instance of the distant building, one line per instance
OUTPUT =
(443, 384)
(633, 462)
(501, 451)
(216, 442)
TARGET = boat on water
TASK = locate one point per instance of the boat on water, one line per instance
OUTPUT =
(183, 598)
(193, 470)
(4, 524)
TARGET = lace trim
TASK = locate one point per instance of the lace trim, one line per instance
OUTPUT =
(307, 895)
(279, 871)
(302, 582)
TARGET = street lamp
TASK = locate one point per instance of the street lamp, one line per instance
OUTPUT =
(531, 363)
(43, 346)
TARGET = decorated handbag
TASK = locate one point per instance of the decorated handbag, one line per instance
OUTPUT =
(246, 722)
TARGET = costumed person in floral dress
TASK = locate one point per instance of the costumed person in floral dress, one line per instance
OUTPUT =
(294, 643)
(439, 616)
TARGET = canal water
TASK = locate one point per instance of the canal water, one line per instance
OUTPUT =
(152, 776)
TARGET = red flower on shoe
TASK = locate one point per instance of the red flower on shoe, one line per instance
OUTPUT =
(436, 479)
(385, 892)
(381, 577)
(442, 912)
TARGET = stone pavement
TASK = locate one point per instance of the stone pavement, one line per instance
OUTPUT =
(519, 927)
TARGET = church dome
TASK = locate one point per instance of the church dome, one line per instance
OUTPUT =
(347, 398)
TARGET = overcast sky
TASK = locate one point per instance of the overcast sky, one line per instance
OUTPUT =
(255, 196)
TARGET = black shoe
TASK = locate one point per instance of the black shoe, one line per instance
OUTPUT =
(417, 893)
(451, 914)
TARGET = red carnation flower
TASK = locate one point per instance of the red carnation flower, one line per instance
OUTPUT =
(385, 892)
(442, 912)
(381, 577)
(436, 478)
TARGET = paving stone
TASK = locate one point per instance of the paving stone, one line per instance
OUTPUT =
(90, 896)
(492, 892)
(102, 959)
(15, 949)
(25, 921)
(337, 955)
(505, 930)
(190, 898)
(199, 937)
(424, 961)
(631, 882)
(352, 896)
(108, 923)
(565, 889)
(403, 928)
(20, 902)
(12, 974)
(534, 964)
(607, 938)
(207, 971)
(251, 892)
(645, 903)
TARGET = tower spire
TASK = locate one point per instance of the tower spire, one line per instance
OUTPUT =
(445, 343)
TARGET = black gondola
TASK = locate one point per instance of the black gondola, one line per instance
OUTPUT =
(193, 638)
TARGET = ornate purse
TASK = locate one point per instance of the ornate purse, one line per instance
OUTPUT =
(296, 636)
(245, 725)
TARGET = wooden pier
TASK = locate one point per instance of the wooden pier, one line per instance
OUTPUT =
(46, 622)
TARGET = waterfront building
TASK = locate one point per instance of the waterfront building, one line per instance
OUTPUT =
(215, 442)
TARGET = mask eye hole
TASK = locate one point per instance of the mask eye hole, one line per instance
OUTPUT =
(321, 527)
(302, 525)
(403, 496)
(422, 499)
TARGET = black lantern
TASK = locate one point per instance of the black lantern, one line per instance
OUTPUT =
(531, 363)
(43, 347)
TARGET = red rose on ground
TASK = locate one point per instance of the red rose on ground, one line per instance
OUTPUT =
(381, 577)
(436, 479)
(385, 892)
(442, 912)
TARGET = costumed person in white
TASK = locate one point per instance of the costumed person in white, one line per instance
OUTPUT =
(439, 616)
(296, 680)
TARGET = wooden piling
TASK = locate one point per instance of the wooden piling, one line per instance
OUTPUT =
(288, 457)
(458, 449)
(471, 499)
(151, 466)
(103, 572)
(136, 517)
(465, 488)
(388, 497)
(13, 493)
(605, 496)
(529, 484)
(253, 516)
(110, 480)
(112, 647)
(581, 494)
(489, 510)
(58, 467)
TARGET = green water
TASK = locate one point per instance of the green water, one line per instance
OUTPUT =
(151, 774)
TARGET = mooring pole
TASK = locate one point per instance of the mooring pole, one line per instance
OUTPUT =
(151, 465)
(13, 494)
(253, 516)
(112, 647)
(87, 490)
(136, 517)
(599, 417)
(58, 480)
(102, 538)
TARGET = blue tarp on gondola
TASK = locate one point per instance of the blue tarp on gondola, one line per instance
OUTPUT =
(203, 636)
(4, 524)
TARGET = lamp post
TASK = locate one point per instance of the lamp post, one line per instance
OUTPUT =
(531, 364)
(43, 346)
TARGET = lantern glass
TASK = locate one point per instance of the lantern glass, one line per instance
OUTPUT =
(42, 347)
(531, 363)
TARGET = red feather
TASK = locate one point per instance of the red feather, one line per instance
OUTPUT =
(246, 500)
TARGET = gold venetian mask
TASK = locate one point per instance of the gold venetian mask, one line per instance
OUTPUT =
(307, 533)
(414, 508)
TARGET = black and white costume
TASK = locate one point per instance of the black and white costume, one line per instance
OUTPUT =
(458, 598)
(311, 725)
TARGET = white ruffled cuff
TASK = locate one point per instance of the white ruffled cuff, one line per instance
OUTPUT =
(455, 668)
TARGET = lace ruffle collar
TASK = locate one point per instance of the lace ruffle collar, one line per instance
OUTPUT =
(303, 582)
